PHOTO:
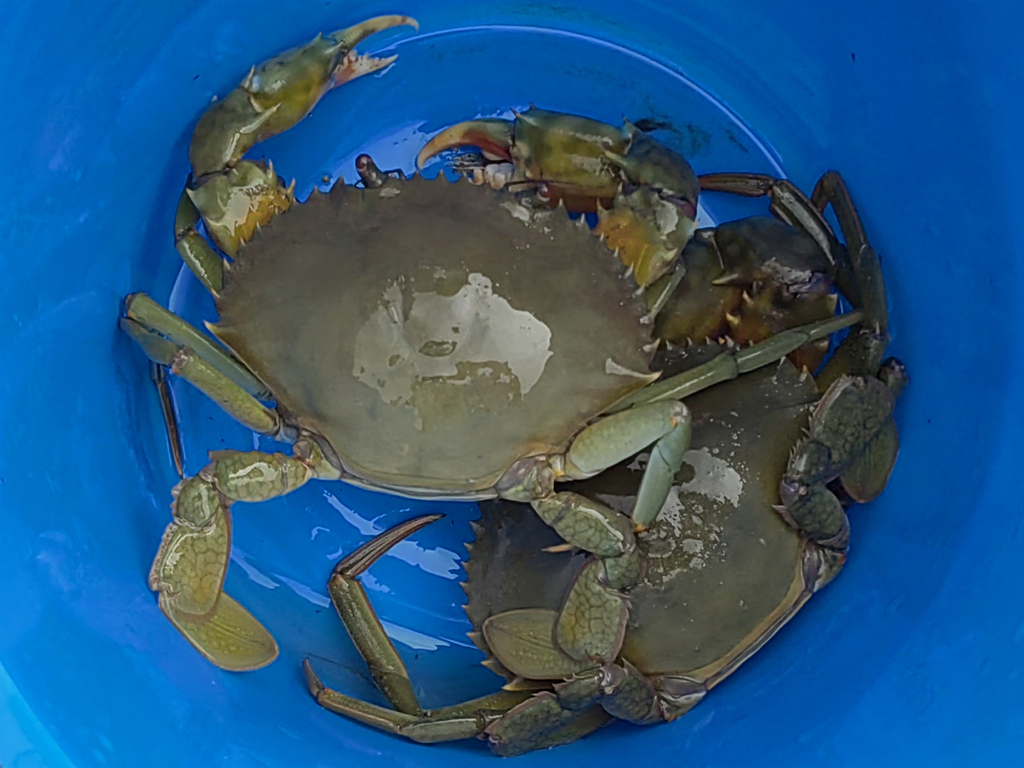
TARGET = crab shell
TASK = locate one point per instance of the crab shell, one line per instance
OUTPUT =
(434, 332)
(724, 571)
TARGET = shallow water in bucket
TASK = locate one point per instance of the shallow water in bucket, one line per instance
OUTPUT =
(913, 654)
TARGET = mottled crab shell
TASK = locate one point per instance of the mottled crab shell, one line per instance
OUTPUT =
(434, 332)
(724, 571)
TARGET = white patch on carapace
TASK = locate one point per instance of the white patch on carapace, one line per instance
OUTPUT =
(684, 537)
(518, 211)
(713, 477)
(390, 191)
(395, 350)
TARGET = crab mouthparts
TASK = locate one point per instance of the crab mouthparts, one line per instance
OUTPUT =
(354, 65)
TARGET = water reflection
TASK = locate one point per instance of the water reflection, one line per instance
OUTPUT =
(242, 559)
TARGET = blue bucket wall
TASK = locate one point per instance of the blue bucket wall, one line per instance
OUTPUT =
(913, 655)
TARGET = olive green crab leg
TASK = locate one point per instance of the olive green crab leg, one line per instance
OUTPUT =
(190, 565)
(591, 623)
(462, 721)
(736, 361)
(189, 365)
(664, 426)
(513, 722)
(205, 263)
(852, 435)
(860, 353)
(143, 310)
(609, 440)
(361, 622)
(511, 725)
(158, 374)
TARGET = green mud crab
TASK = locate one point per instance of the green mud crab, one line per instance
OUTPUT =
(413, 336)
(639, 625)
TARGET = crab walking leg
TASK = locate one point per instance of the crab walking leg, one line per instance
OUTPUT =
(665, 460)
(153, 317)
(853, 437)
(860, 353)
(514, 722)
(462, 721)
(734, 362)
(615, 438)
(666, 424)
(158, 374)
(191, 563)
(205, 263)
(622, 691)
(361, 620)
(184, 362)
(542, 722)
(832, 189)
(592, 619)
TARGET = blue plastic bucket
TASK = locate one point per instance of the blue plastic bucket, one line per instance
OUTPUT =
(913, 656)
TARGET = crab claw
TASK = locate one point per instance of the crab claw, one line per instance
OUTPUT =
(279, 92)
(493, 136)
(352, 65)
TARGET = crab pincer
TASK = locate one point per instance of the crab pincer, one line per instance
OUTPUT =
(233, 196)
(645, 194)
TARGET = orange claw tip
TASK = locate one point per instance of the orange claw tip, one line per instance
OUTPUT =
(491, 135)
